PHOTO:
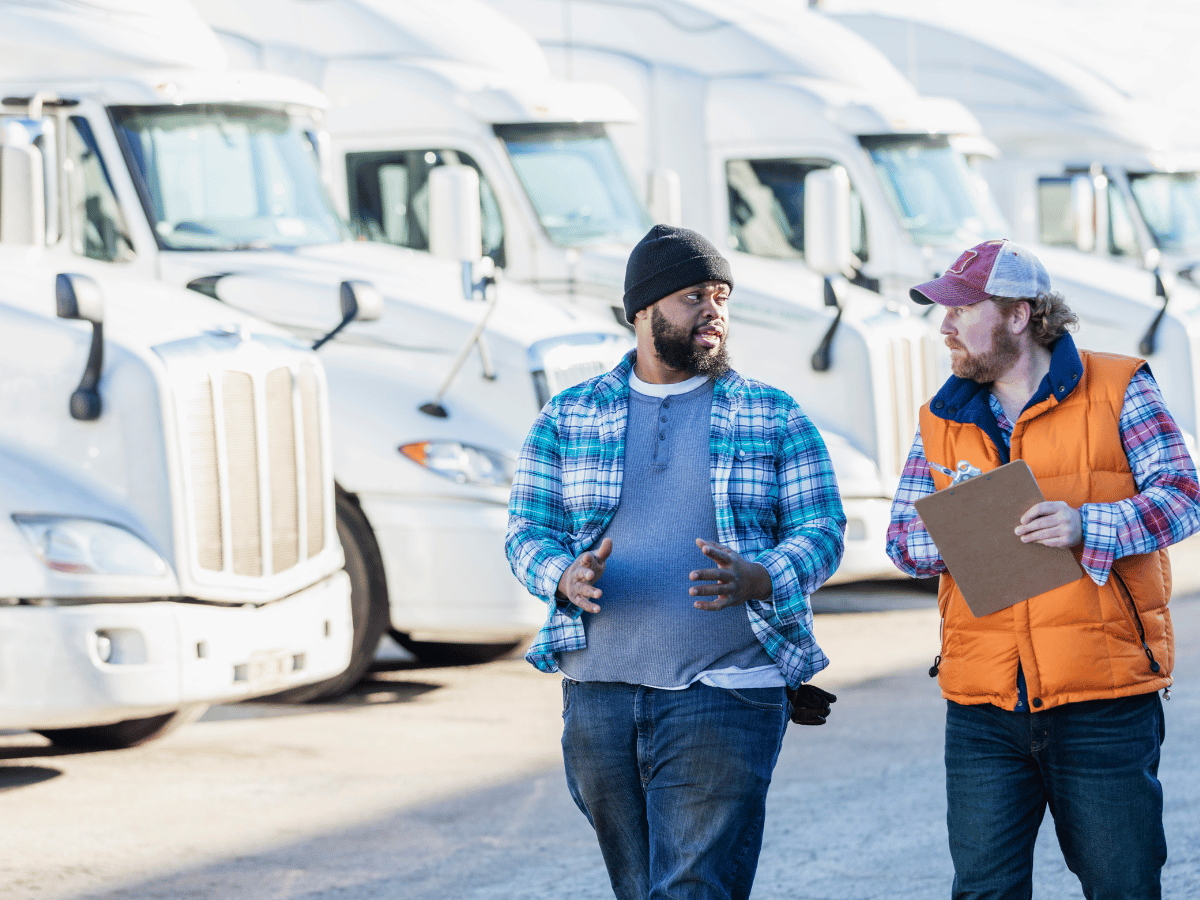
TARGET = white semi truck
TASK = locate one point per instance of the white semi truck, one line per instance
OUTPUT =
(167, 536)
(209, 178)
(419, 86)
(1080, 164)
(743, 99)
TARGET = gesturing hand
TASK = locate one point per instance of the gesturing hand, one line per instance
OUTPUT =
(1053, 523)
(578, 583)
(736, 579)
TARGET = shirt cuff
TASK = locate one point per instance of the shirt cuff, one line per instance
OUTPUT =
(1099, 524)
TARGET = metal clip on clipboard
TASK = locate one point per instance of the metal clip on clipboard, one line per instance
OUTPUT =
(965, 471)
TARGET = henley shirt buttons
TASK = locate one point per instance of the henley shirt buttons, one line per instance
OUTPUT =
(1037, 702)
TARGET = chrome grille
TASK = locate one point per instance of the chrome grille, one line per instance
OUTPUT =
(560, 378)
(201, 437)
(241, 462)
(285, 504)
(314, 463)
(254, 461)
(911, 385)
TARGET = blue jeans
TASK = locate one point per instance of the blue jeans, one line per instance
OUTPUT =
(674, 782)
(1095, 764)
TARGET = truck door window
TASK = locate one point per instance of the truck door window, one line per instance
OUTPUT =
(389, 198)
(1122, 238)
(766, 207)
(1170, 205)
(97, 226)
(1056, 216)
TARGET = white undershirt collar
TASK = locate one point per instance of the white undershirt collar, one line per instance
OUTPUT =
(665, 390)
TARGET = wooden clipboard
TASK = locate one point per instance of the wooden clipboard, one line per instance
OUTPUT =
(972, 525)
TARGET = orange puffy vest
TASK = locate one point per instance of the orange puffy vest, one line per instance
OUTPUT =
(1082, 641)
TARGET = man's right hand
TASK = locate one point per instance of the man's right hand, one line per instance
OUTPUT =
(578, 583)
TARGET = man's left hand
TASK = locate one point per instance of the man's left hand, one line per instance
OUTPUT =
(735, 580)
(1053, 523)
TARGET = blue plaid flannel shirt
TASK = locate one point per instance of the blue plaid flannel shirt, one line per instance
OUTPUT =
(773, 485)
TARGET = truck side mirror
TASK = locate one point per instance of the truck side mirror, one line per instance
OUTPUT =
(664, 197)
(22, 189)
(79, 297)
(1083, 212)
(827, 247)
(455, 222)
(360, 301)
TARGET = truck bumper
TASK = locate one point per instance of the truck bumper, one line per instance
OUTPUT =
(865, 557)
(163, 655)
(448, 578)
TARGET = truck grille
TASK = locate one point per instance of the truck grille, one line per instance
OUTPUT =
(557, 364)
(912, 381)
(253, 460)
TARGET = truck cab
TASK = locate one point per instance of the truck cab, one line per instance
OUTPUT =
(212, 179)
(416, 88)
(166, 502)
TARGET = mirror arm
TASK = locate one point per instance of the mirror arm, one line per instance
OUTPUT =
(1148, 344)
(345, 321)
(822, 357)
(85, 401)
(476, 338)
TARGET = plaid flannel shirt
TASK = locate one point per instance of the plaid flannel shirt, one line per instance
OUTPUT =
(773, 486)
(1165, 510)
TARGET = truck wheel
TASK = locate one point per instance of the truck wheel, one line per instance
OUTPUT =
(437, 653)
(120, 735)
(369, 610)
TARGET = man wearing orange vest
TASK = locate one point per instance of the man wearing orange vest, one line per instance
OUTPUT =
(1054, 701)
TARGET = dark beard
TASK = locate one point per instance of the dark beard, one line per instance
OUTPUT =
(987, 367)
(678, 351)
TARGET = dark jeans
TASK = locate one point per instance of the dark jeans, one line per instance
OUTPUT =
(674, 782)
(1095, 764)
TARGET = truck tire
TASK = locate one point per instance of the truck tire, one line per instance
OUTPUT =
(124, 734)
(368, 604)
(438, 653)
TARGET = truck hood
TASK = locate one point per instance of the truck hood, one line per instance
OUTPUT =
(138, 313)
(424, 296)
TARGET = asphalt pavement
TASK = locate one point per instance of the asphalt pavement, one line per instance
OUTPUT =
(856, 812)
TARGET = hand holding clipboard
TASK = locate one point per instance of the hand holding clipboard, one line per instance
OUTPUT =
(972, 524)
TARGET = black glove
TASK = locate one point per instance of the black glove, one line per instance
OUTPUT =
(810, 704)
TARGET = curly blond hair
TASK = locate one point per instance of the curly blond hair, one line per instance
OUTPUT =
(1049, 316)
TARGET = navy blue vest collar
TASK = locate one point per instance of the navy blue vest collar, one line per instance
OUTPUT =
(962, 400)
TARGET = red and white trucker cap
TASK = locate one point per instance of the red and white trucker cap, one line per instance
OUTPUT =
(990, 269)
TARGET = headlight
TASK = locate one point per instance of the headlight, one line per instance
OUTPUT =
(462, 462)
(88, 546)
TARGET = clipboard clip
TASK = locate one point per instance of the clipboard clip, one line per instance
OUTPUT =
(965, 471)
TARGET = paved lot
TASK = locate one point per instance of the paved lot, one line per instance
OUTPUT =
(446, 784)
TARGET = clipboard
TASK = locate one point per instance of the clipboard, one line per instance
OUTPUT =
(972, 525)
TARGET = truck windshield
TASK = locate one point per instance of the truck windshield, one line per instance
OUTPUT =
(1170, 205)
(226, 177)
(938, 199)
(576, 182)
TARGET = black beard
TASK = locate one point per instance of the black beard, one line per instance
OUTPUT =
(678, 351)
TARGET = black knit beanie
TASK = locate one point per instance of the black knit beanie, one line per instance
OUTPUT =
(667, 260)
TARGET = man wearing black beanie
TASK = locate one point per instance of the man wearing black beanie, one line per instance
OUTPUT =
(675, 516)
